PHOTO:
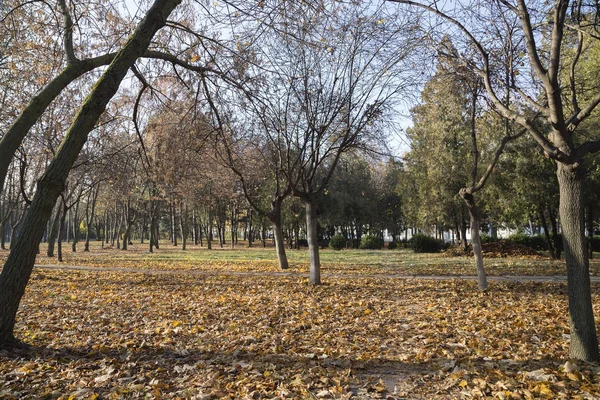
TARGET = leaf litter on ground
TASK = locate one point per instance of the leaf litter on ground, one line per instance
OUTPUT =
(101, 334)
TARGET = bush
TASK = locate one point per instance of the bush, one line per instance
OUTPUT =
(536, 242)
(370, 242)
(485, 238)
(595, 243)
(392, 245)
(425, 244)
(337, 242)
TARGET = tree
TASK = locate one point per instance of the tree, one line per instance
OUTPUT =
(19, 265)
(543, 28)
(335, 76)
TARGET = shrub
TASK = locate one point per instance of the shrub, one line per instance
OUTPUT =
(485, 238)
(337, 242)
(595, 243)
(536, 242)
(370, 242)
(425, 244)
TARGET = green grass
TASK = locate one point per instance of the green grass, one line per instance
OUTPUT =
(257, 258)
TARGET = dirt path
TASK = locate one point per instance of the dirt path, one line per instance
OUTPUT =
(502, 278)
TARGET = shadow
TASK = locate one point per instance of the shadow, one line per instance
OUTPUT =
(144, 365)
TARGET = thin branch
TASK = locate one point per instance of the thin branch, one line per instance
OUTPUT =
(68, 33)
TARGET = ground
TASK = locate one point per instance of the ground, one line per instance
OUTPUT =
(362, 334)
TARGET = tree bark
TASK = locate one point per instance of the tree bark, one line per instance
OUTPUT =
(463, 233)
(313, 243)
(183, 222)
(589, 221)
(19, 264)
(469, 200)
(53, 232)
(584, 341)
(61, 230)
(280, 245)
(209, 229)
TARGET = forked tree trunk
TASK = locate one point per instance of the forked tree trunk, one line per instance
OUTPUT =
(584, 341)
(19, 264)
(313, 243)
(469, 199)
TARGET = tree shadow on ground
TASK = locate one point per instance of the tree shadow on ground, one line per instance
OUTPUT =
(172, 370)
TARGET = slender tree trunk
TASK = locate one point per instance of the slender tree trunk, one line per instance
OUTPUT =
(14, 232)
(61, 231)
(313, 244)
(53, 232)
(104, 233)
(143, 228)
(19, 264)
(183, 222)
(128, 223)
(463, 234)
(209, 229)
(249, 226)
(151, 239)
(195, 226)
(469, 200)
(75, 225)
(555, 237)
(584, 341)
(549, 243)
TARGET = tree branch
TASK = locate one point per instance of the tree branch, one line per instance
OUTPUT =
(68, 33)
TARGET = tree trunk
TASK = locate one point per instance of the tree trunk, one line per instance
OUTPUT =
(249, 226)
(75, 226)
(463, 234)
(183, 222)
(549, 243)
(313, 243)
(584, 342)
(174, 229)
(53, 232)
(209, 229)
(589, 221)
(469, 199)
(195, 226)
(555, 238)
(19, 264)
(280, 244)
(61, 231)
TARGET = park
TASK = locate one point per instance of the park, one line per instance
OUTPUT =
(379, 199)
(224, 323)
